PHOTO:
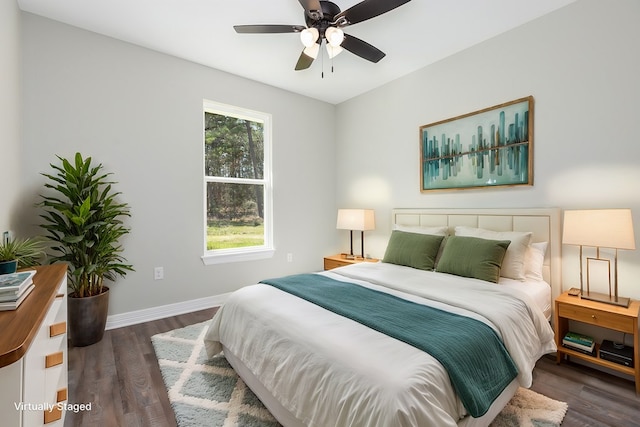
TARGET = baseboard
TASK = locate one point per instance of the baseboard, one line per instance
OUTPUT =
(154, 313)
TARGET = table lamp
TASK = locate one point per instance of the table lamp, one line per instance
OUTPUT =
(600, 228)
(356, 219)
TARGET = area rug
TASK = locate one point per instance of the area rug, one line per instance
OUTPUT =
(208, 392)
(530, 409)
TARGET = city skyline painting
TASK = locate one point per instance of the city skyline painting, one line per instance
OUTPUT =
(485, 148)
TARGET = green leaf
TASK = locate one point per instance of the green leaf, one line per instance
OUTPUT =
(84, 223)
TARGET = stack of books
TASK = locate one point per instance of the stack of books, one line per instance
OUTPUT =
(14, 288)
(579, 342)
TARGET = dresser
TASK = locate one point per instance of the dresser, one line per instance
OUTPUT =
(33, 354)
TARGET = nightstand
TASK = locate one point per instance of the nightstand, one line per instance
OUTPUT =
(621, 319)
(340, 260)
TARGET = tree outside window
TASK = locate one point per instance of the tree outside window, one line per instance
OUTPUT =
(237, 181)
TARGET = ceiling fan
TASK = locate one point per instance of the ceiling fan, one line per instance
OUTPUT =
(324, 23)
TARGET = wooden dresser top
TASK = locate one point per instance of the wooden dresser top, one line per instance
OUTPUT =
(19, 327)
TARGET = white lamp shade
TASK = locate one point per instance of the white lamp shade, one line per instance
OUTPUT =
(312, 51)
(334, 36)
(309, 36)
(356, 219)
(333, 51)
(606, 228)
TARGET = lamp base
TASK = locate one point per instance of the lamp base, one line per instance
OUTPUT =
(607, 299)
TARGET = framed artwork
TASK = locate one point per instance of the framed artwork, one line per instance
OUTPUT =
(486, 148)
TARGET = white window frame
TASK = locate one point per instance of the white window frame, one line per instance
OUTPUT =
(249, 253)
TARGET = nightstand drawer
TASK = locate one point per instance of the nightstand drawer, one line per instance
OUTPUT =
(597, 317)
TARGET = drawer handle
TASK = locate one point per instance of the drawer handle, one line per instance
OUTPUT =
(61, 395)
(54, 359)
(57, 329)
(53, 415)
(593, 316)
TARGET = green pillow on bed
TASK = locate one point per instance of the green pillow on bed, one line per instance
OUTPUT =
(412, 249)
(473, 257)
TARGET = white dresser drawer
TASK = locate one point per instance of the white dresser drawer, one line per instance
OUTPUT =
(32, 335)
(45, 367)
(55, 383)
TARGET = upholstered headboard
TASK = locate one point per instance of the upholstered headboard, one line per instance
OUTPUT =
(544, 223)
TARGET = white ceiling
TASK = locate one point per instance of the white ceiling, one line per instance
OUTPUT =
(414, 35)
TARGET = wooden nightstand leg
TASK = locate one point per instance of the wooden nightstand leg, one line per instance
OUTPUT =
(636, 356)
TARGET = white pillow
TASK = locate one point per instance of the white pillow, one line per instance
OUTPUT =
(436, 231)
(513, 262)
(534, 261)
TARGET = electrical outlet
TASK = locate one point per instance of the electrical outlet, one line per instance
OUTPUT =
(158, 273)
(7, 236)
(289, 257)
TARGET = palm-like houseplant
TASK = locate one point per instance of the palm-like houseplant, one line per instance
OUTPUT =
(20, 253)
(83, 219)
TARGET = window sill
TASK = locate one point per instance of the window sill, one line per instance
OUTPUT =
(211, 258)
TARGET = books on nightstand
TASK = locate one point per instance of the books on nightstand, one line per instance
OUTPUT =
(14, 288)
(579, 342)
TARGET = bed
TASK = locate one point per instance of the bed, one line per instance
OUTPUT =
(313, 362)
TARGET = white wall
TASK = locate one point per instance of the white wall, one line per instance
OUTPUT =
(580, 63)
(9, 111)
(139, 113)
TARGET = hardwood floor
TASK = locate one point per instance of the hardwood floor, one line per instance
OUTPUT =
(595, 398)
(121, 379)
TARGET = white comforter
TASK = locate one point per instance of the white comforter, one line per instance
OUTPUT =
(328, 370)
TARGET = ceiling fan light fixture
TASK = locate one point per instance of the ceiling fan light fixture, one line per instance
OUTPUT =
(324, 22)
(334, 36)
(333, 51)
(309, 36)
(312, 51)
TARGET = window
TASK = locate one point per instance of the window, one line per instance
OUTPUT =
(237, 181)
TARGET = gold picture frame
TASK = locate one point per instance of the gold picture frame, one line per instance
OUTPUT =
(492, 147)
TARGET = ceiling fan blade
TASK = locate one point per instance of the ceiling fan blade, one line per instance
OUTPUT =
(362, 48)
(312, 8)
(304, 61)
(267, 29)
(368, 9)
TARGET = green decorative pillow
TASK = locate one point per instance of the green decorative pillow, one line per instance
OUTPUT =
(513, 263)
(473, 257)
(412, 249)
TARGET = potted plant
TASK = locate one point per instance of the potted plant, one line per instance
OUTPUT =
(84, 221)
(20, 253)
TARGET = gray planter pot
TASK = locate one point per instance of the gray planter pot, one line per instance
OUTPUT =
(87, 318)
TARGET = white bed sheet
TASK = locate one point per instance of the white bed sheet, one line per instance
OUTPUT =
(328, 370)
(288, 420)
(538, 291)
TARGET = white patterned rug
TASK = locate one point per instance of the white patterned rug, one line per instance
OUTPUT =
(208, 392)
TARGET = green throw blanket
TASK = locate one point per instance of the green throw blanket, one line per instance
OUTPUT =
(478, 364)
